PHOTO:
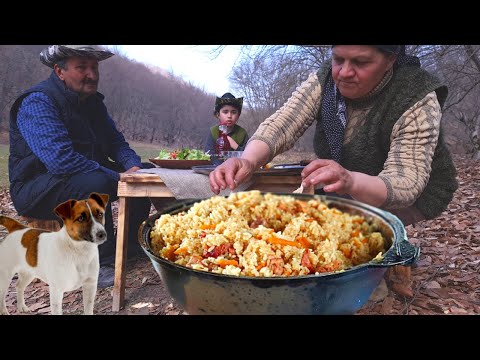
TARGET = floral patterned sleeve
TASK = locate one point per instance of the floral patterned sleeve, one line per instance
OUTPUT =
(413, 141)
(283, 128)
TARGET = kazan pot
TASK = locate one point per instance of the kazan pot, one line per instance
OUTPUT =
(199, 292)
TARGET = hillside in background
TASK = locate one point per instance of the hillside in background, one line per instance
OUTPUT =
(148, 105)
(152, 106)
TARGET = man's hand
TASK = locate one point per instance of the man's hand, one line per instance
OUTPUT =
(132, 169)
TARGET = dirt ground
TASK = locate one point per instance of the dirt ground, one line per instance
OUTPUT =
(445, 280)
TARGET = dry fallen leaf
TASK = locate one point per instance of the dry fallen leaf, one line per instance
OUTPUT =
(440, 243)
(380, 293)
(141, 305)
(433, 285)
(387, 305)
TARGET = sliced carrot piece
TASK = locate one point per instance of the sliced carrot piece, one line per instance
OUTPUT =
(347, 252)
(181, 251)
(224, 262)
(279, 241)
(355, 233)
(261, 265)
(304, 241)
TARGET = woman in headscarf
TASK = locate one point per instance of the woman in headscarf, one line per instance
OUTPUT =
(377, 139)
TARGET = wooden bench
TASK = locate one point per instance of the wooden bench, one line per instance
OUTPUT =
(50, 225)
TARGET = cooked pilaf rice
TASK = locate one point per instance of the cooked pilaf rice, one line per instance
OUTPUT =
(255, 234)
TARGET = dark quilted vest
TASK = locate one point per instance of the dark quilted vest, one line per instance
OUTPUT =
(368, 149)
(87, 127)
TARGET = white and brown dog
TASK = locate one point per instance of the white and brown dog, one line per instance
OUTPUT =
(66, 259)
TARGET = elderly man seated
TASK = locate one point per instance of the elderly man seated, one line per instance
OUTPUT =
(64, 145)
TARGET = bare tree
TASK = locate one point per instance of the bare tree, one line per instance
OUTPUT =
(269, 74)
(152, 105)
(147, 104)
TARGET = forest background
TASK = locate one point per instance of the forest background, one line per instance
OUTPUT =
(151, 106)
(155, 110)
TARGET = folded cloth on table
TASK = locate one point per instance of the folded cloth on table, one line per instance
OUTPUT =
(186, 184)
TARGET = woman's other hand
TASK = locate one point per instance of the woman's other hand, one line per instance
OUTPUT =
(333, 176)
(231, 173)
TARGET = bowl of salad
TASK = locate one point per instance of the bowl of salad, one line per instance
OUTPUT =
(181, 159)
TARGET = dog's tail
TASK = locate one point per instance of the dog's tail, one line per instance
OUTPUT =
(11, 224)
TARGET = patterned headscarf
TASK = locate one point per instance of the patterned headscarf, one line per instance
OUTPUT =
(54, 53)
(391, 49)
(334, 109)
(228, 99)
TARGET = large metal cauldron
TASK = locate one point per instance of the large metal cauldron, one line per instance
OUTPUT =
(199, 292)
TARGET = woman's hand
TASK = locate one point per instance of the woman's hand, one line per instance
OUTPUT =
(231, 173)
(330, 173)
(234, 171)
(335, 178)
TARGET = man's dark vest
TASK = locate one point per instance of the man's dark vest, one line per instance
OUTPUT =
(238, 134)
(368, 149)
(87, 127)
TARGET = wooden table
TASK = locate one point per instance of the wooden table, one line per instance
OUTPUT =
(151, 185)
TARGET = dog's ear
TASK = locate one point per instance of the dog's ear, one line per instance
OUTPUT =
(101, 199)
(64, 210)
